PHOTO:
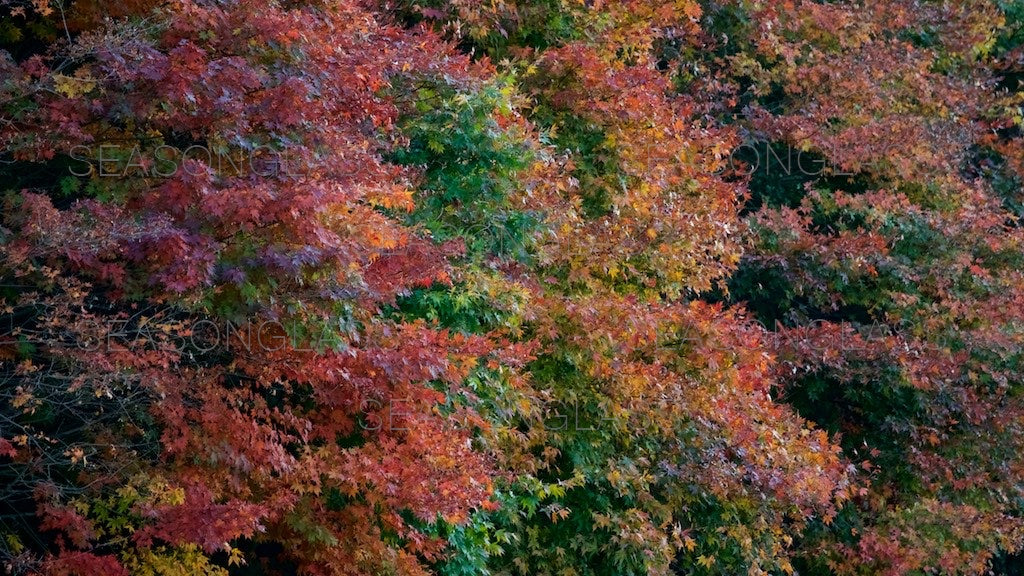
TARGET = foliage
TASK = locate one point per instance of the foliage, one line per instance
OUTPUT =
(541, 287)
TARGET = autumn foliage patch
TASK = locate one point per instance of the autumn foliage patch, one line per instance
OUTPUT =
(547, 287)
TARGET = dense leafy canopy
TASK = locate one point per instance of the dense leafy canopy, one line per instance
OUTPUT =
(547, 287)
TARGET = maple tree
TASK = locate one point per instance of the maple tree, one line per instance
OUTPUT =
(273, 432)
(894, 275)
(452, 287)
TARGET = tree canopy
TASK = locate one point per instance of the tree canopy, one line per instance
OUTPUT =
(551, 287)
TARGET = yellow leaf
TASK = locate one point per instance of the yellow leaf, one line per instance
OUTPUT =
(42, 7)
(73, 86)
